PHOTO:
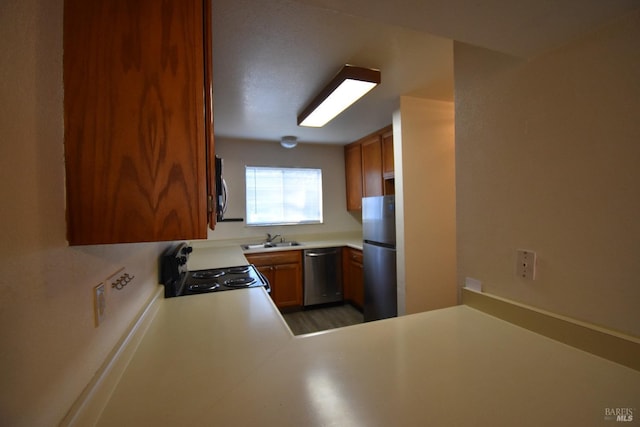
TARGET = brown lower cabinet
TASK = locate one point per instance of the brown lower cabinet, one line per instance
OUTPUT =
(284, 272)
(353, 276)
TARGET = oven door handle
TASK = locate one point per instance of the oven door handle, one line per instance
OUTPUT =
(267, 285)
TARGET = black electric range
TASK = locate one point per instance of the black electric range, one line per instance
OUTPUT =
(178, 280)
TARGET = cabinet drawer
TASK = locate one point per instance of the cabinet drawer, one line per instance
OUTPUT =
(275, 258)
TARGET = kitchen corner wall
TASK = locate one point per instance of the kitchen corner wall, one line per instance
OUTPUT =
(547, 159)
(238, 153)
(424, 152)
(49, 346)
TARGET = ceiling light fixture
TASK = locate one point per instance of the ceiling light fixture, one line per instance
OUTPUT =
(349, 85)
(289, 141)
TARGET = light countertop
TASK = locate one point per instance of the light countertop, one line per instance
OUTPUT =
(228, 358)
(212, 255)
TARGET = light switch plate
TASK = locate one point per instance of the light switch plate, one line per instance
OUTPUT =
(99, 303)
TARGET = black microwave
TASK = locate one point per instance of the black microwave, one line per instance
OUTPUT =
(221, 190)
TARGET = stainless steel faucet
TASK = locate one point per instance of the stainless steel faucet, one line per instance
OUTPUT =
(271, 238)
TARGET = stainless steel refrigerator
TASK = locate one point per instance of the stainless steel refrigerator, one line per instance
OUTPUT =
(379, 257)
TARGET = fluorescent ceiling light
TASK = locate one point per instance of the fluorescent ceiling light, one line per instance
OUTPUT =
(349, 85)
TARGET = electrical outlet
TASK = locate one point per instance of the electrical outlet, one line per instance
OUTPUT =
(473, 284)
(526, 264)
(99, 303)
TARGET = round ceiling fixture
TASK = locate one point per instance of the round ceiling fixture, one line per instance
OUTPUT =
(289, 141)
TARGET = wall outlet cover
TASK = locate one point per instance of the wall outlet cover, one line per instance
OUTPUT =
(526, 264)
(473, 284)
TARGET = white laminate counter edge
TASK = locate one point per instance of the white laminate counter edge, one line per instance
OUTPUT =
(304, 243)
(277, 310)
(610, 345)
(309, 245)
(219, 256)
(87, 409)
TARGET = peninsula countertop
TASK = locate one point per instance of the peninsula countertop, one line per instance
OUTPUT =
(228, 358)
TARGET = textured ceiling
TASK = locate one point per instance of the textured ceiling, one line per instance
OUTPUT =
(523, 28)
(271, 57)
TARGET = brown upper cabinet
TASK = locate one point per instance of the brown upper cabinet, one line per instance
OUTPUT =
(388, 171)
(353, 175)
(138, 120)
(369, 167)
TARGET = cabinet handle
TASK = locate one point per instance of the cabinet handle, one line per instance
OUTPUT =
(313, 254)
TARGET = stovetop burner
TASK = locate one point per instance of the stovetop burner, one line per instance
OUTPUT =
(240, 282)
(207, 274)
(179, 280)
(222, 279)
(202, 287)
(239, 270)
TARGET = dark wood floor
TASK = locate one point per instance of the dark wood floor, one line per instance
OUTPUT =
(322, 318)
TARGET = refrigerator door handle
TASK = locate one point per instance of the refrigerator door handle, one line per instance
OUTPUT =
(380, 244)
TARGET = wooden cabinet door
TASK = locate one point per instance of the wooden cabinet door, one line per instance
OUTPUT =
(208, 115)
(135, 134)
(267, 272)
(353, 176)
(387, 155)
(346, 274)
(283, 269)
(372, 167)
(288, 285)
(388, 168)
(355, 278)
(367, 162)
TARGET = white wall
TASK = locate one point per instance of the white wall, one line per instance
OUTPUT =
(49, 347)
(237, 154)
(547, 159)
(424, 154)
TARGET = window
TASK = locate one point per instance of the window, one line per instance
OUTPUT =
(283, 195)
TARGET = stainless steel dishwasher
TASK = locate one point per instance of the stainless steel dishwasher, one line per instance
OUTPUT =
(322, 275)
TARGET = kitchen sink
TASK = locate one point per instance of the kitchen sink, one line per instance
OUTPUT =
(269, 245)
(283, 244)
